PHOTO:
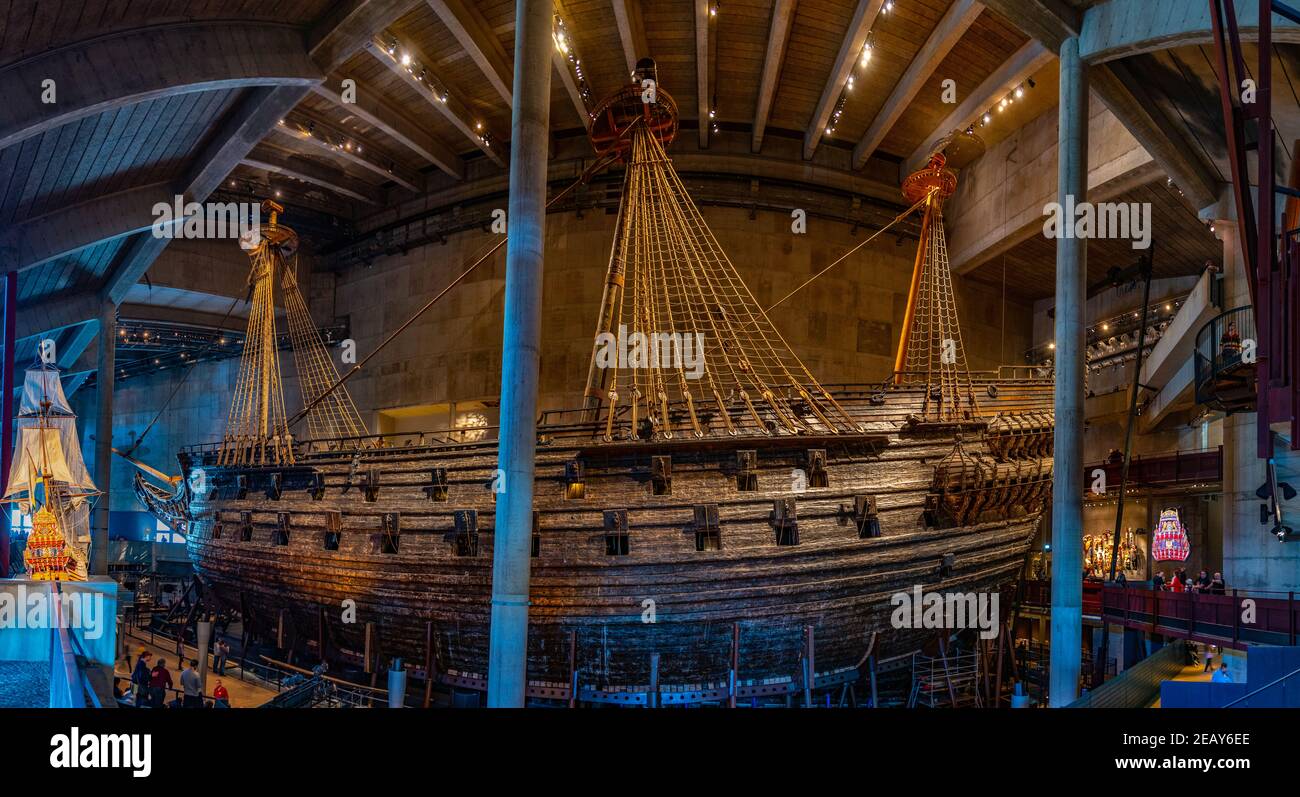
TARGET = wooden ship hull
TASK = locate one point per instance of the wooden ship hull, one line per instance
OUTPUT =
(744, 519)
(828, 529)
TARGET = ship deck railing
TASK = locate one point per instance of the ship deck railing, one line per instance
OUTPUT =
(576, 425)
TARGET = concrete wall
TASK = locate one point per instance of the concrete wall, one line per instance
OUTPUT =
(1000, 197)
(844, 326)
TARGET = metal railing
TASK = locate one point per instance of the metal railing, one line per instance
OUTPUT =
(1223, 345)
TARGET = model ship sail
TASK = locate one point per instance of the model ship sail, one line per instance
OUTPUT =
(687, 350)
(257, 430)
(48, 479)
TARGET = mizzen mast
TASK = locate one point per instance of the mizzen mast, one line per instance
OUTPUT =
(256, 429)
(930, 352)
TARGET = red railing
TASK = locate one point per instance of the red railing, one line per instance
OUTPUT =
(1038, 593)
(1164, 470)
(1236, 620)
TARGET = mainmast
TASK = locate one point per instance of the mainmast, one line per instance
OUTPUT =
(682, 347)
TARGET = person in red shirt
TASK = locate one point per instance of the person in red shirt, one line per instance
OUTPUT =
(160, 680)
(1176, 583)
(220, 697)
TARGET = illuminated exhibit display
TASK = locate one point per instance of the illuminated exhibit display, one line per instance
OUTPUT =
(1169, 542)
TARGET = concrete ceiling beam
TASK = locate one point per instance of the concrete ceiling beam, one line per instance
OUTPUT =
(377, 112)
(110, 72)
(1121, 28)
(631, 32)
(1053, 21)
(850, 50)
(473, 32)
(1030, 58)
(308, 171)
(312, 132)
(959, 17)
(777, 36)
(349, 25)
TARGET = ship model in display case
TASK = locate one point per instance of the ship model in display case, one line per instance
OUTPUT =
(49, 482)
(688, 521)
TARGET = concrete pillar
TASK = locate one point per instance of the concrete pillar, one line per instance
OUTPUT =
(396, 684)
(203, 640)
(1071, 293)
(512, 544)
(105, 374)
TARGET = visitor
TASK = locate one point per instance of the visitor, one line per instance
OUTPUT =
(140, 678)
(219, 660)
(220, 697)
(1209, 657)
(160, 680)
(1121, 580)
(1221, 675)
(1176, 583)
(1203, 582)
(193, 686)
(1158, 581)
(1217, 586)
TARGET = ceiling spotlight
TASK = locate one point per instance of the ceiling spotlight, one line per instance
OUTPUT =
(986, 119)
(1019, 92)
(889, 6)
(713, 9)
(406, 59)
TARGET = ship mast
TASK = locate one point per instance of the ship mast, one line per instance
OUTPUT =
(256, 427)
(930, 350)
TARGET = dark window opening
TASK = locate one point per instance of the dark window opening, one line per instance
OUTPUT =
(537, 546)
(617, 544)
(280, 536)
(708, 540)
(787, 535)
(216, 531)
(466, 543)
(332, 539)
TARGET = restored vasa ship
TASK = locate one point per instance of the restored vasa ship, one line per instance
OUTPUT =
(702, 524)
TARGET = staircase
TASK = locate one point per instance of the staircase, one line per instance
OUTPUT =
(1273, 682)
(1226, 371)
